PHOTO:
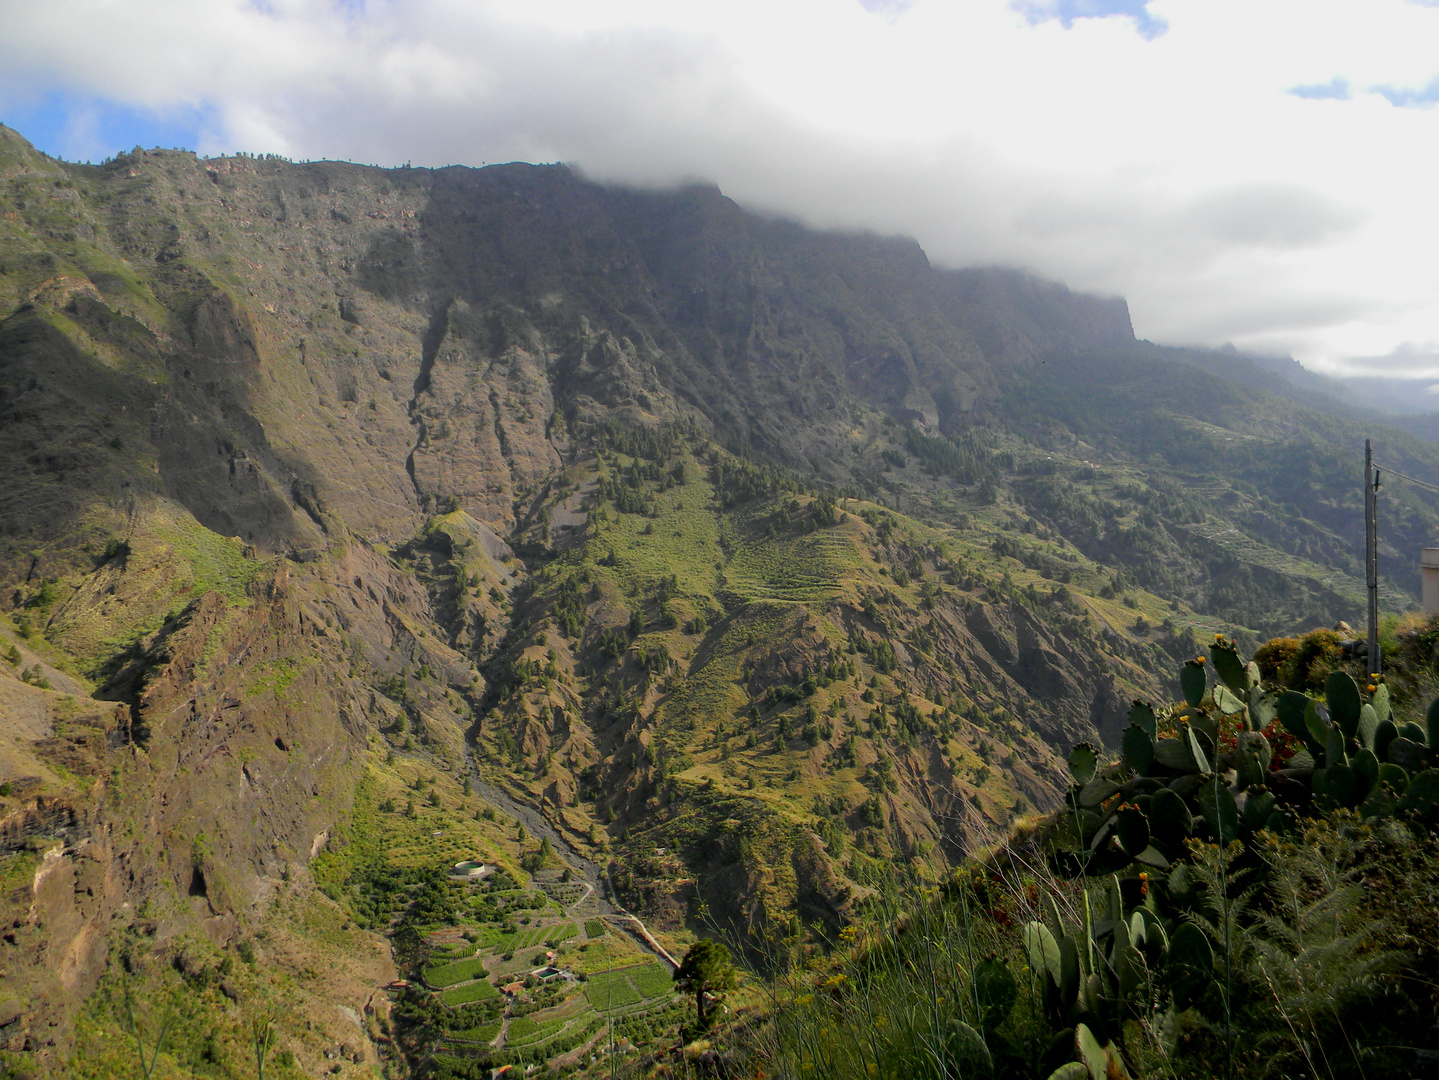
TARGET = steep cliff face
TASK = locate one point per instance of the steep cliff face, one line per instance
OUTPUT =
(300, 348)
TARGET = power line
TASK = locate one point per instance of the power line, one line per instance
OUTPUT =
(1402, 476)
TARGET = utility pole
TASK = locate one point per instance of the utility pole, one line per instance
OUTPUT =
(1371, 554)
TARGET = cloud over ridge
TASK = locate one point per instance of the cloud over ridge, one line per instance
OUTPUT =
(1235, 170)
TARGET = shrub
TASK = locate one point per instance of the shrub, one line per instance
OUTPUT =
(1274, 655)
(1318, 654)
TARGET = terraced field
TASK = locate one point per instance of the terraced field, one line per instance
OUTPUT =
(484, 1033)
(807, 569)
(443, 975)
(619, 991)
(524, 1030)
(468, 992)
(532, 936)
(564, 893)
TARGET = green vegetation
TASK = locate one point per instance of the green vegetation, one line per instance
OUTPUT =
(469, 992)
(1185, 915)
(218, 563)
(611, 990)
(526, 939)
(445, 975)
(523, 1030)
(483, 1033)
(706, 972)
(652, 980)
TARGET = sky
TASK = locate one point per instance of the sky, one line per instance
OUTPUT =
(1262, 173)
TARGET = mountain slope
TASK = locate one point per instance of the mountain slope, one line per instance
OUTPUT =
(772, 566)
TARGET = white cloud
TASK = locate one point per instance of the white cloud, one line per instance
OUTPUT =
(1179, 169)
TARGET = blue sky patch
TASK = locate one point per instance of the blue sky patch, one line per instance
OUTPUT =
(82, 128)
(1336, 89)
(1067, 11)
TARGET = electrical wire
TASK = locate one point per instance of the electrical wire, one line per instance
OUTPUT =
(1395, 472)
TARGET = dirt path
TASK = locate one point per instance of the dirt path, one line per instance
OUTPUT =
(537, 824)
(589, 891)
(632, 923)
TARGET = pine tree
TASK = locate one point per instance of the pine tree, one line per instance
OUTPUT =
(706, 971)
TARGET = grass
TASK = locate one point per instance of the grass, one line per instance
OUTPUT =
(460, 971)
(375, 835)
(524, 1031)
(410, 840)
(712, 687)
(462, 950)
(612, 951)
(806, 568)
(562, 932)
(473, 991)
(277, 676)
(17, 869)
(653, 980)
(217, 562)
(523, 939)
(1308, 973)
(612, 990)
(683, 540)
(485, 1032)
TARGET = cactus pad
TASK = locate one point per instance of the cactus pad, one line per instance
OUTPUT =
(1394, 776)
(1131, 827)
(1190, 967)
(1169, 819)
(1043, 952)
(1341, 694)
(1421, 797)
(1380, 700)
(1384, 734)
(1228, 667)
(995, 991)
(1252, 754)
(1141, 714)
(1192, 682)
(1408, 754)
(1138, 747)
(1083, 761)
(1290, 706)
(966, 1051)
(1219, 808)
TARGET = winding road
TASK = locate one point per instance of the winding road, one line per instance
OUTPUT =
(537, 824)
